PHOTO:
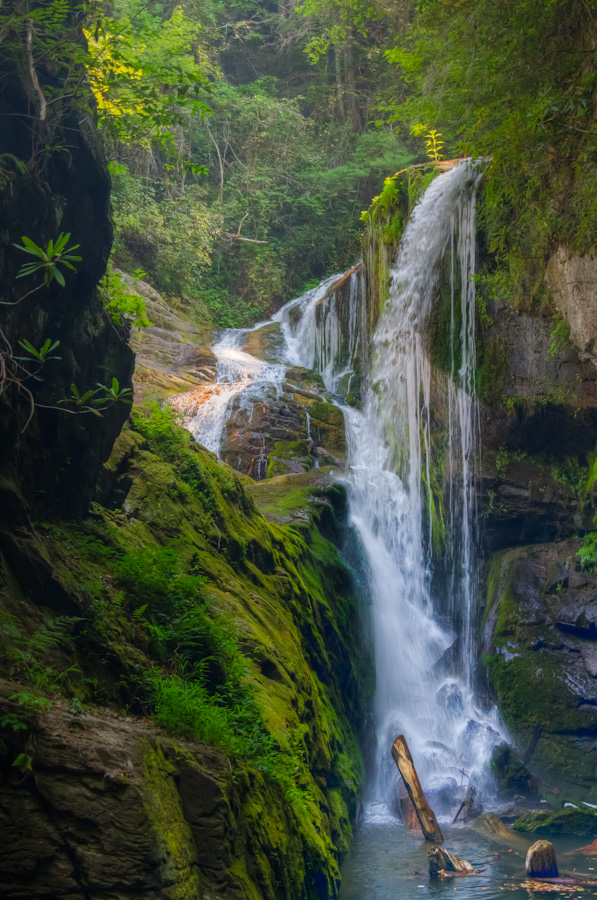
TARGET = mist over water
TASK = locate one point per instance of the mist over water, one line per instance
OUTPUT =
(423, 627)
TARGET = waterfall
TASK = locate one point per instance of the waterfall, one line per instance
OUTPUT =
(422, 619)
(391, 457)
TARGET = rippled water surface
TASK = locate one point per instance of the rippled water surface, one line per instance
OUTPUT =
(387, 862)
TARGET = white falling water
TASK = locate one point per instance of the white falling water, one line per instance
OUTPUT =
(428, 699)
(205, 410)
(391, 455)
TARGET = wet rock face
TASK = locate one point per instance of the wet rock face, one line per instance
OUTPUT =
(572, 281)
(540, 629)
(283, 433)
(521, 501)
(171, 354)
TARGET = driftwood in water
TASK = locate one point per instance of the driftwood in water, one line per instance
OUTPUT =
(443, 865)
(404, 761)
(541, 861)
(469, 806)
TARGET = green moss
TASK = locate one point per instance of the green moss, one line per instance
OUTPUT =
(176, 847)
(286, 456)
(581, 822)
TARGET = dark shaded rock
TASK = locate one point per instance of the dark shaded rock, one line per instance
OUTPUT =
(56, 459)
(511, 774)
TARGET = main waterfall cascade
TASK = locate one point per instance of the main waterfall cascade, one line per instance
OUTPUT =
(423, 632)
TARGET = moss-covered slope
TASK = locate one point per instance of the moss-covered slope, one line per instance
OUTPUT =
(178, 602)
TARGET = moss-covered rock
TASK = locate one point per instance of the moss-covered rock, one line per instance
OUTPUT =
(581, 822)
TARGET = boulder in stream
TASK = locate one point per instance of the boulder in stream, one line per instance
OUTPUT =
(490, 824)
(541, 860)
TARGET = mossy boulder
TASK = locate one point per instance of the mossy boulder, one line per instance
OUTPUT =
(581, 822)
(288, 456)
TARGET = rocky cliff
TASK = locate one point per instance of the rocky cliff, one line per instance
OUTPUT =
(53, 179)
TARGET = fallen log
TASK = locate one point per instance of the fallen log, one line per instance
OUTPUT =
(469, 805)
(406, 767)
(443, 865)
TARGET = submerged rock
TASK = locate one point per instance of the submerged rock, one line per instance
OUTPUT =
(491, 824)
(589, 850)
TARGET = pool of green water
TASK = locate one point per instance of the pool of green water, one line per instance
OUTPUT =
(388, 862)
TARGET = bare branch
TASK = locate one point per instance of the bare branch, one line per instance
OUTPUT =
(33, 73)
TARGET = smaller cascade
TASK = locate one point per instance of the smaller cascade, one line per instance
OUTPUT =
(205, 410)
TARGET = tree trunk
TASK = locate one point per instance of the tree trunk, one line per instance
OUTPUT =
(404, 761)
(339, 83)
(351, 90)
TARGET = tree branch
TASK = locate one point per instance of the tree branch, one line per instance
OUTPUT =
(33, 73)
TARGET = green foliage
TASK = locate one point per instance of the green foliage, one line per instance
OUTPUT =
(588, 552)
(48, 260)
(559, 336)
(433, 145)
(11, 720)
(122, 305)
(145, 77)
(23, 762)
(99, 399)
(511, 83)
(187, 708)
(170, 237)
(36, 657)
(42, 355)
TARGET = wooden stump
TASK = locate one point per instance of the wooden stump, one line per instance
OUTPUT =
(406, 767)
(541, 860)
(443, 865)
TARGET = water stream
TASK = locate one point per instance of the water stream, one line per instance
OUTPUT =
(423, 625)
